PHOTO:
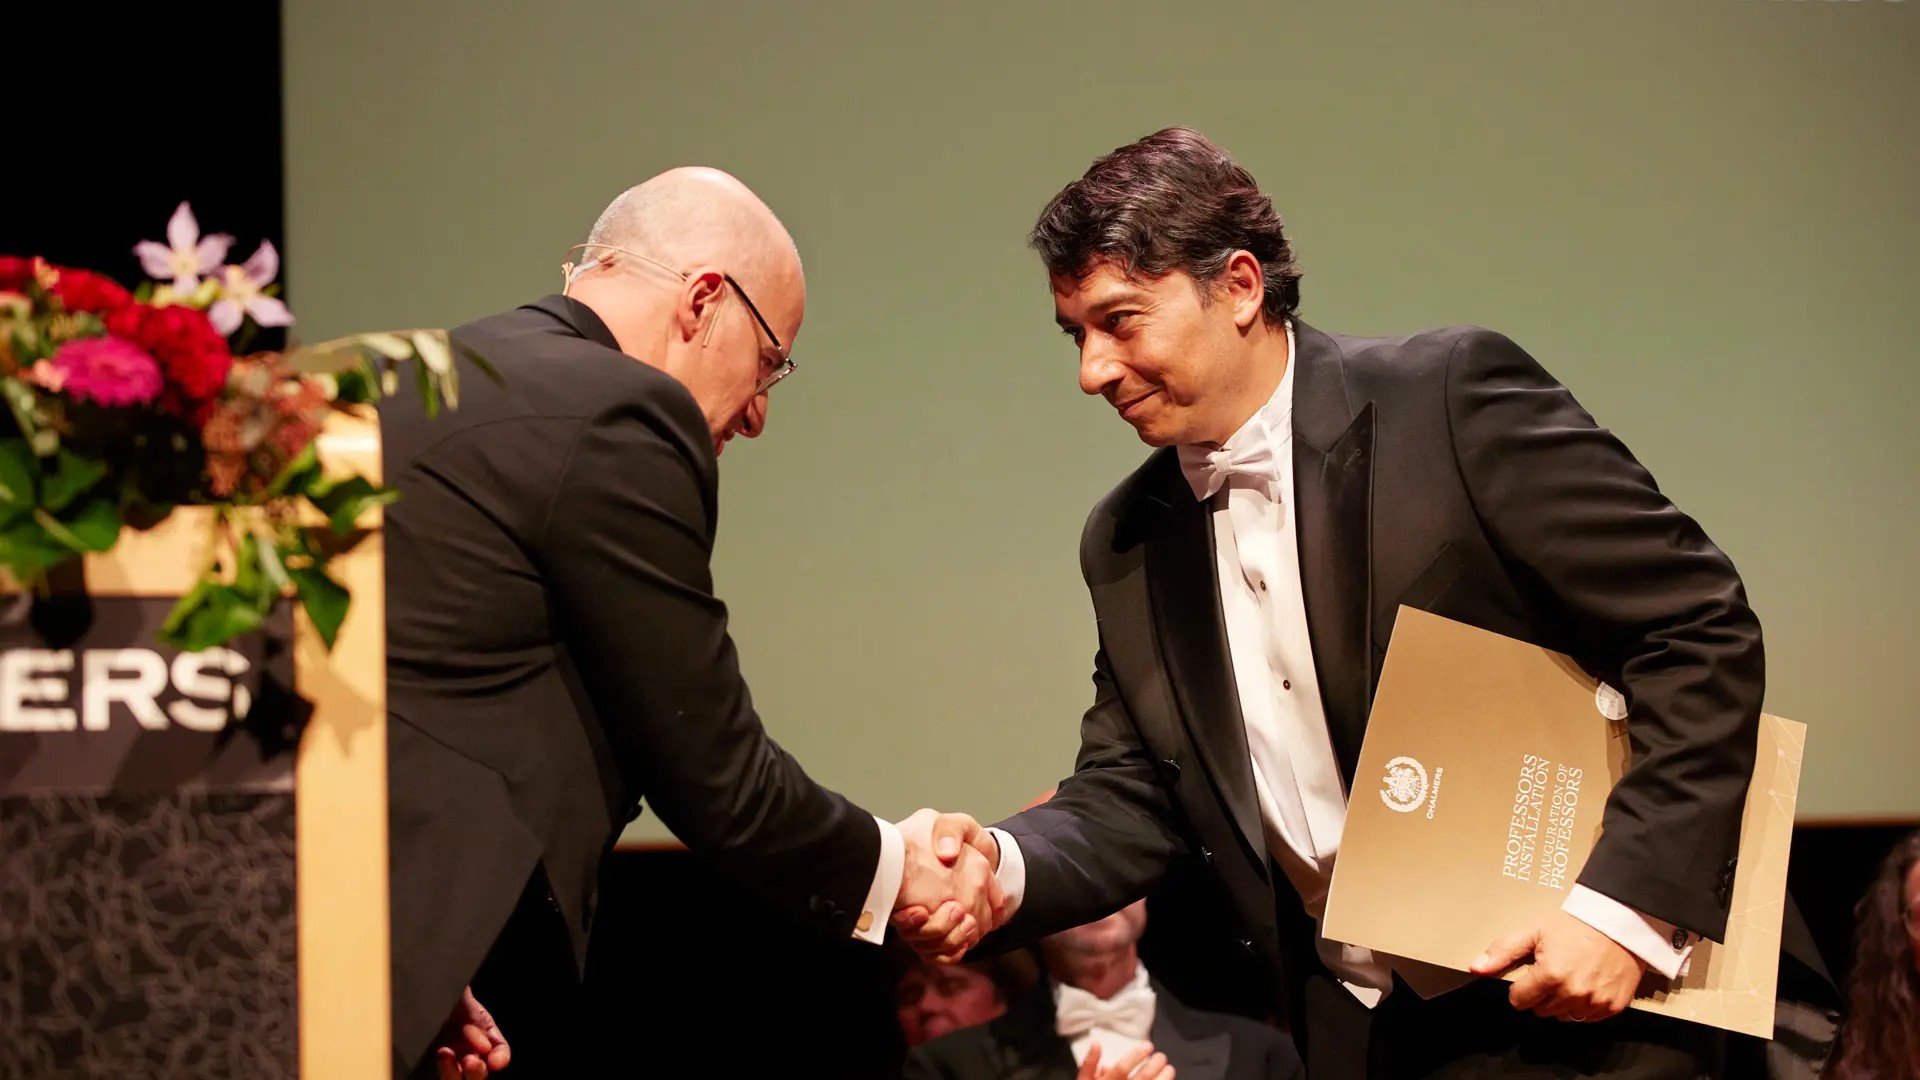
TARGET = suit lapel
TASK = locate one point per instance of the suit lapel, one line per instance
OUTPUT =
(1027, 1046)
(1333, 496)
(1200, 1058)
(1193, 642)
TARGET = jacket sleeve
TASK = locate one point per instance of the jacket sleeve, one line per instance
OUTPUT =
(626, 548)
(1106, 837)
(1648, 595)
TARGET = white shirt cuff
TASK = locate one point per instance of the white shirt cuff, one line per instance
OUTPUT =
(887, 875)
(1665, 947)
(1012, 872)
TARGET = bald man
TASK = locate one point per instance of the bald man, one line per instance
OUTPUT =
(556, 653)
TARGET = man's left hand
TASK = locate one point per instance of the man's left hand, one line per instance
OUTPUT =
(1576, 972)
(470, 1046)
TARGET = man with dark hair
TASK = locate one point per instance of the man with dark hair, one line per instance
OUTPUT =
(1245, 580)
(933, 1000)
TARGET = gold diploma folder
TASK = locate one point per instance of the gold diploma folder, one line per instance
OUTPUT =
(1479, 794)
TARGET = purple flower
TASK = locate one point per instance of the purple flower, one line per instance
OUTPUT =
(240, 293)
(186, 255)
(107, 371)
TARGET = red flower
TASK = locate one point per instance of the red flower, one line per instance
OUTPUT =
(192, 354)
(84, 290)
(15, 272)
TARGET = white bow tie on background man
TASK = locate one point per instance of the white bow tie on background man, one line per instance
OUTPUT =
(1118, 1023)
(1207, 471)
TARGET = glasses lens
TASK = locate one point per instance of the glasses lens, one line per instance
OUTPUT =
(780, 371)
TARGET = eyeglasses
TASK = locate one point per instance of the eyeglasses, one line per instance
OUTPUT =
(782, 368)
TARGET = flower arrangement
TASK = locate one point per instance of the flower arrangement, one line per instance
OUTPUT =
(121, 406)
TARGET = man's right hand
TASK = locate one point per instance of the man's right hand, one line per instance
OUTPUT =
(949, 896)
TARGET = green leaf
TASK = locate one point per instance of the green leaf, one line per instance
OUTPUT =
(84, 324)
(27, 550)
(186, 606)
(342, 353)
(301, 475)
(391, 346)
(431, 345)
(98, 523)
(210, 615)
(94, 528)
(25, 406)
(17, 466)
(247, 577)
(273, 563)
(343, 500)
(72, 475)
(30, 345)
(428, 390)
(330, 357)
(324, 598)
(469, 354)
(356, 386)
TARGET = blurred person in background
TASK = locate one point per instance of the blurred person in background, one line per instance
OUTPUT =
(1882, 1036)
(932, 1000)
(1100, 1016)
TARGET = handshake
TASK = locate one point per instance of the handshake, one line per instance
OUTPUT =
(950, 895)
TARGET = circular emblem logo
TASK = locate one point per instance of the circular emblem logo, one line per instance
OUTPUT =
(1611, 703)
(1405, 785)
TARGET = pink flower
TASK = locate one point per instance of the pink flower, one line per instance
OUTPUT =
(186, 255)
(240, 293)
(107, 371)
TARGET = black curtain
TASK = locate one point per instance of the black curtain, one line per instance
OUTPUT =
(120, 113)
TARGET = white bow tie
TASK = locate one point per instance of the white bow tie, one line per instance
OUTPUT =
(1129, 1012)
(1207, 470)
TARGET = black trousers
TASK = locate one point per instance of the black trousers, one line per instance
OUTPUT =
(1473, 1033)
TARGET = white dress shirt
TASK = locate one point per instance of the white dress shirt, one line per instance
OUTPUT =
(892, 866)
(1248, 485)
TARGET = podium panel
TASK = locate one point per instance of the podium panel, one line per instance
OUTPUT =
(193, 868)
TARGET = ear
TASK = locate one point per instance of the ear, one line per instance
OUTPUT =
(1245, 284)
(699, 304)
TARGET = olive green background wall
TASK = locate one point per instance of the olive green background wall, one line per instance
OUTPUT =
(1700, 214)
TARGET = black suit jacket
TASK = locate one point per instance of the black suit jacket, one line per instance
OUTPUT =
(1022, 1044)
(556, 654)
(1449, 472)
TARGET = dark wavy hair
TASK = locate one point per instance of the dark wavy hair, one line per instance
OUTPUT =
(1882, 1038)
(1171, 201)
